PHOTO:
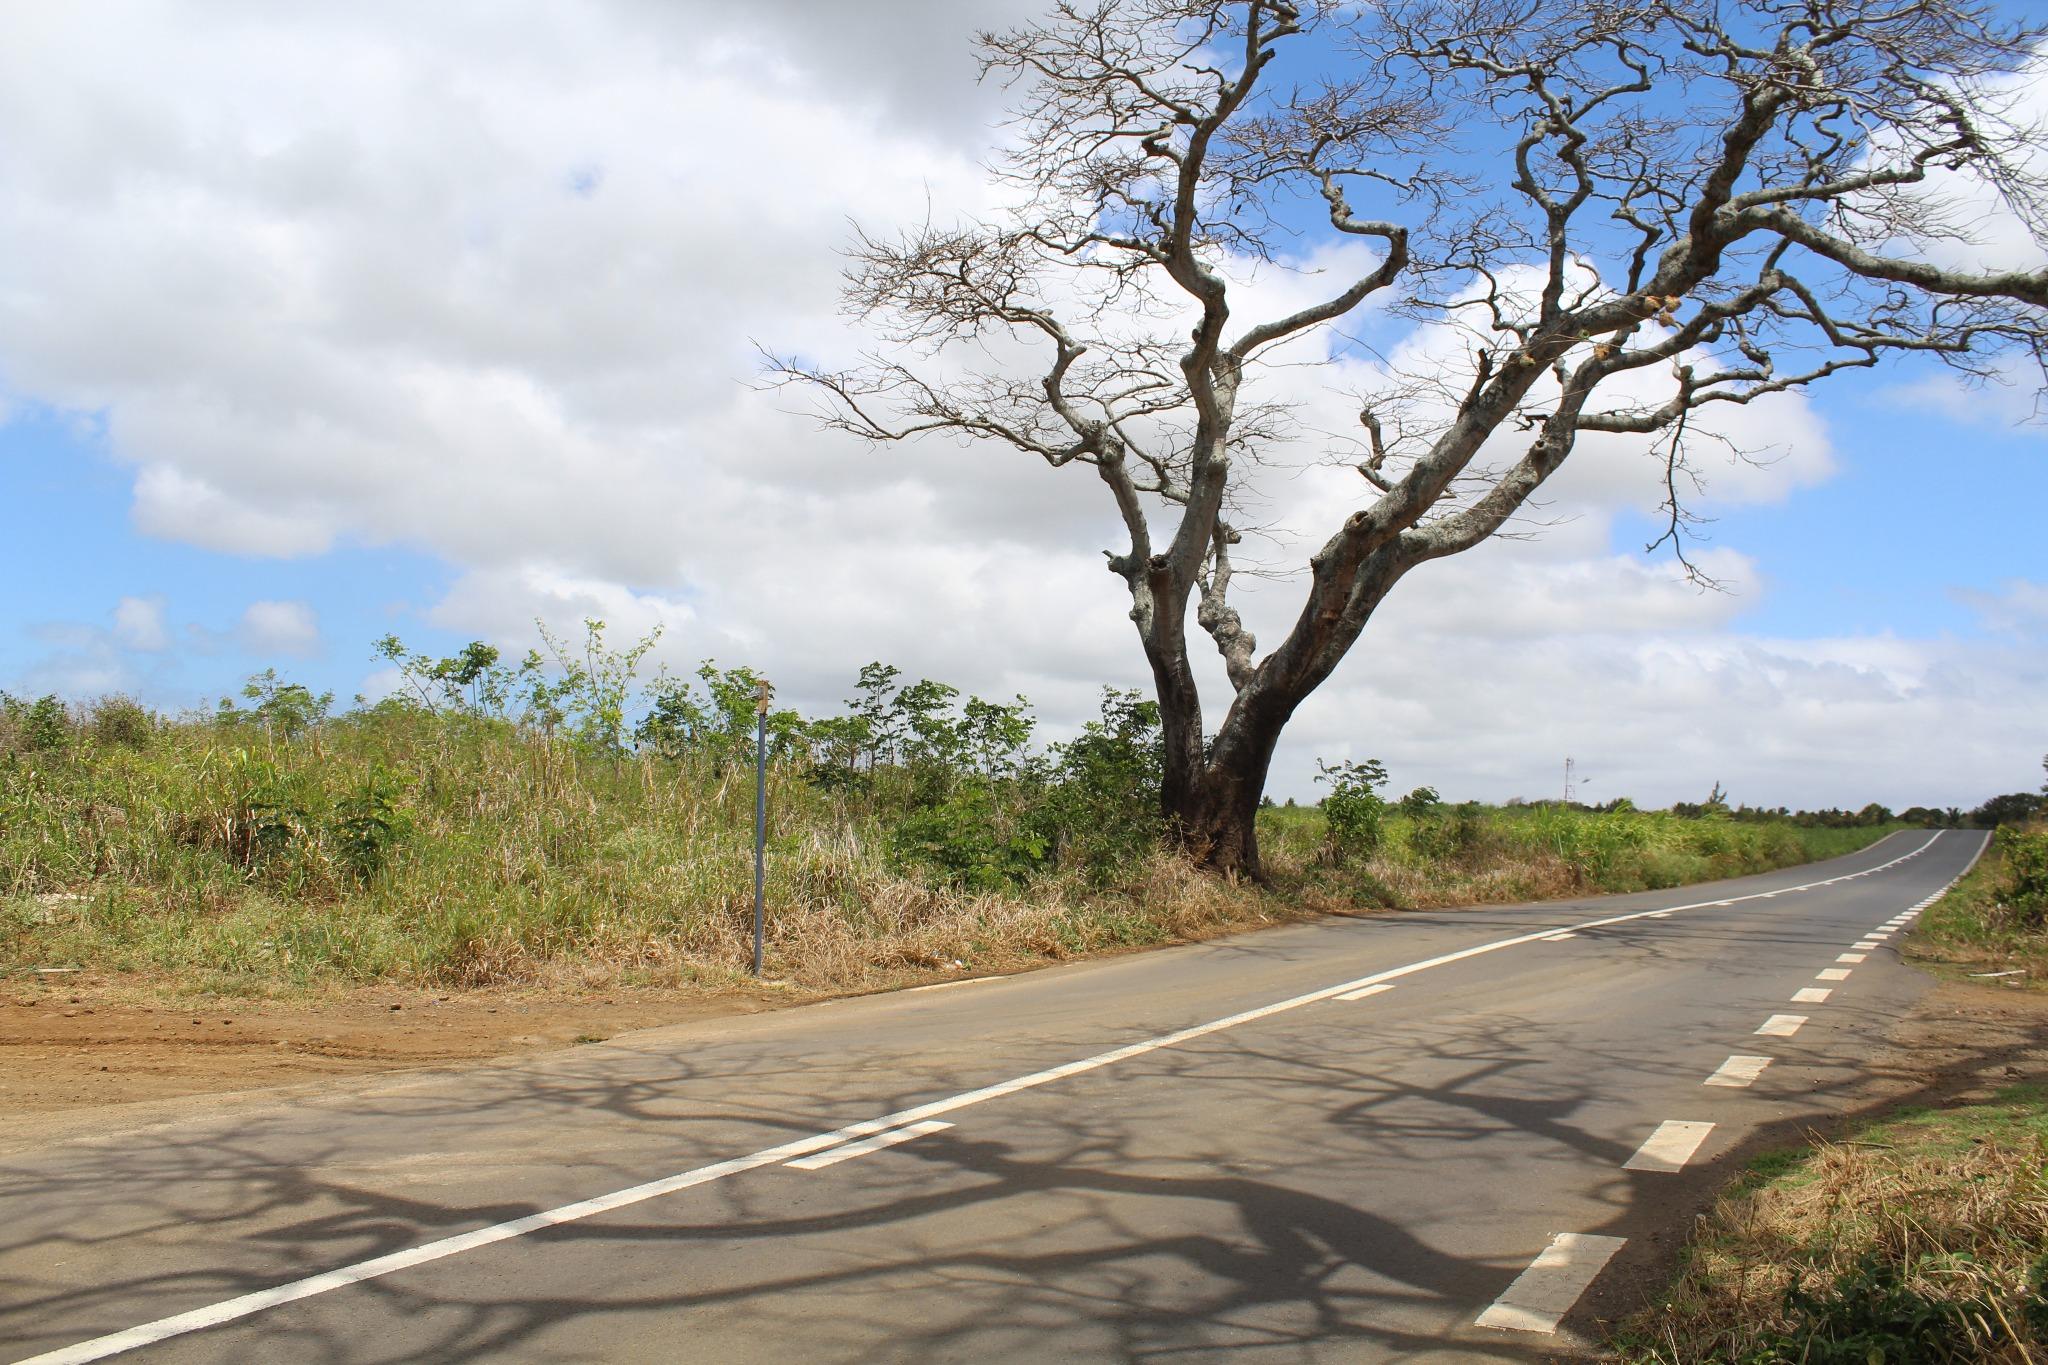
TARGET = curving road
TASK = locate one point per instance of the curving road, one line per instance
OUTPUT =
(1414, 1137)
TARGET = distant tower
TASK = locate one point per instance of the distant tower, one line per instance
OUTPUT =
(1570, 773)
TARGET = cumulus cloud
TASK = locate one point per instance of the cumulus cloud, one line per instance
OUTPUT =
(135, 649)
(484, 281)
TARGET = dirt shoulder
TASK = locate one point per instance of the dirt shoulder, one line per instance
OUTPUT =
(94, 1044)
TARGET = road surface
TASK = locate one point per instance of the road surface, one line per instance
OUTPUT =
(1412, 1137)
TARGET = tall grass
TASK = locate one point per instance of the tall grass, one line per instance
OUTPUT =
(1497, 853)
(1922, 1240)
(398, 845)
(1997, 916)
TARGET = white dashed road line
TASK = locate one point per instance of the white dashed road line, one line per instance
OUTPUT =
(1670, 1147)
(1541, 1295)
(1738, 1071)
(1781, 1025)
(1812, 995)
(1852, 957)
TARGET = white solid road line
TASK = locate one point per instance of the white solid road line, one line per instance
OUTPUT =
(1811, 995)
(228, 1310)
(1670, 1147)
(1781, 1025)
(1738, 1071)
(866, 1145)
(1832, 974)
(1541, 1295)
(1364, 991)
(949, 985)
(1558, 938)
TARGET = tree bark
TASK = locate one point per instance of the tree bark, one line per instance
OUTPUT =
(1212, 803)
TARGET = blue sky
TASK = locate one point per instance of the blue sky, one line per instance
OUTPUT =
(326, 326)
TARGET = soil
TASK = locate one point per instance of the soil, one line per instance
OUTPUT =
(84, 1043)
(93, 1043)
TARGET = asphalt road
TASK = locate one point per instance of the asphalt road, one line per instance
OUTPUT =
(1412, 1137)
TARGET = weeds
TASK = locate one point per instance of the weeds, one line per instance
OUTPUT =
(1923, 1240)
(1997, 916)
(435, 839)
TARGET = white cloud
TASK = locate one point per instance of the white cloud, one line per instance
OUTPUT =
(482, 281)
(2018, 607)
(139, 624)
(289, 628)
(2010, 398)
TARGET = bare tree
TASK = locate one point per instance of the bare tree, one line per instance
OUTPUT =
(1706, 200)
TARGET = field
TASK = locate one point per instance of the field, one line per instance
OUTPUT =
(244, 855)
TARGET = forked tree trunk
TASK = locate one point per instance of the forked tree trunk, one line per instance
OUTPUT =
(1211, 799)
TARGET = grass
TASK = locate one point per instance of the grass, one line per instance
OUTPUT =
(402, 847)
(1472, 855)
(1994, 919)
(1923, 1238)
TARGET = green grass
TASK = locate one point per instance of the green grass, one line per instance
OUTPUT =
(1922, 1238)
(1994, 919)
(1459, 854)
(397, 846)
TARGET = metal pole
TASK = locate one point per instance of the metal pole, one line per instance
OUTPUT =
(760, 811)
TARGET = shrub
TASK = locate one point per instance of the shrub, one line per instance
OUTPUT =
(120, 722)
(42, 726)
(2023, 891)
(1100, 808)
(1444, 837)
(367, 824)
(969, 840)
(1355, 811)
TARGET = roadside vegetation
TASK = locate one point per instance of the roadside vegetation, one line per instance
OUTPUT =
(1996, 918)
(1923, 1238)
(561, 822)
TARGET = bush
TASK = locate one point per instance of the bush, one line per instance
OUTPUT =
(120, 722)
(367, 824)
(2022, 893)
(969, 840)
(1355, 811)
(1446, 837)
(42, 726)
(1100, 808)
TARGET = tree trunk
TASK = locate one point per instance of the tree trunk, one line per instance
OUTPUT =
(1213, 806)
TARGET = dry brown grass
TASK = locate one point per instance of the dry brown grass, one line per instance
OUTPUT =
(1922, 1239)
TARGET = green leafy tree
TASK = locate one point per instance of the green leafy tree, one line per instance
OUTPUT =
(472, 681)
(880, 724)
(996, 736)
(1355, 812)
(594, 685)
(1421, 803)
(284, 709)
